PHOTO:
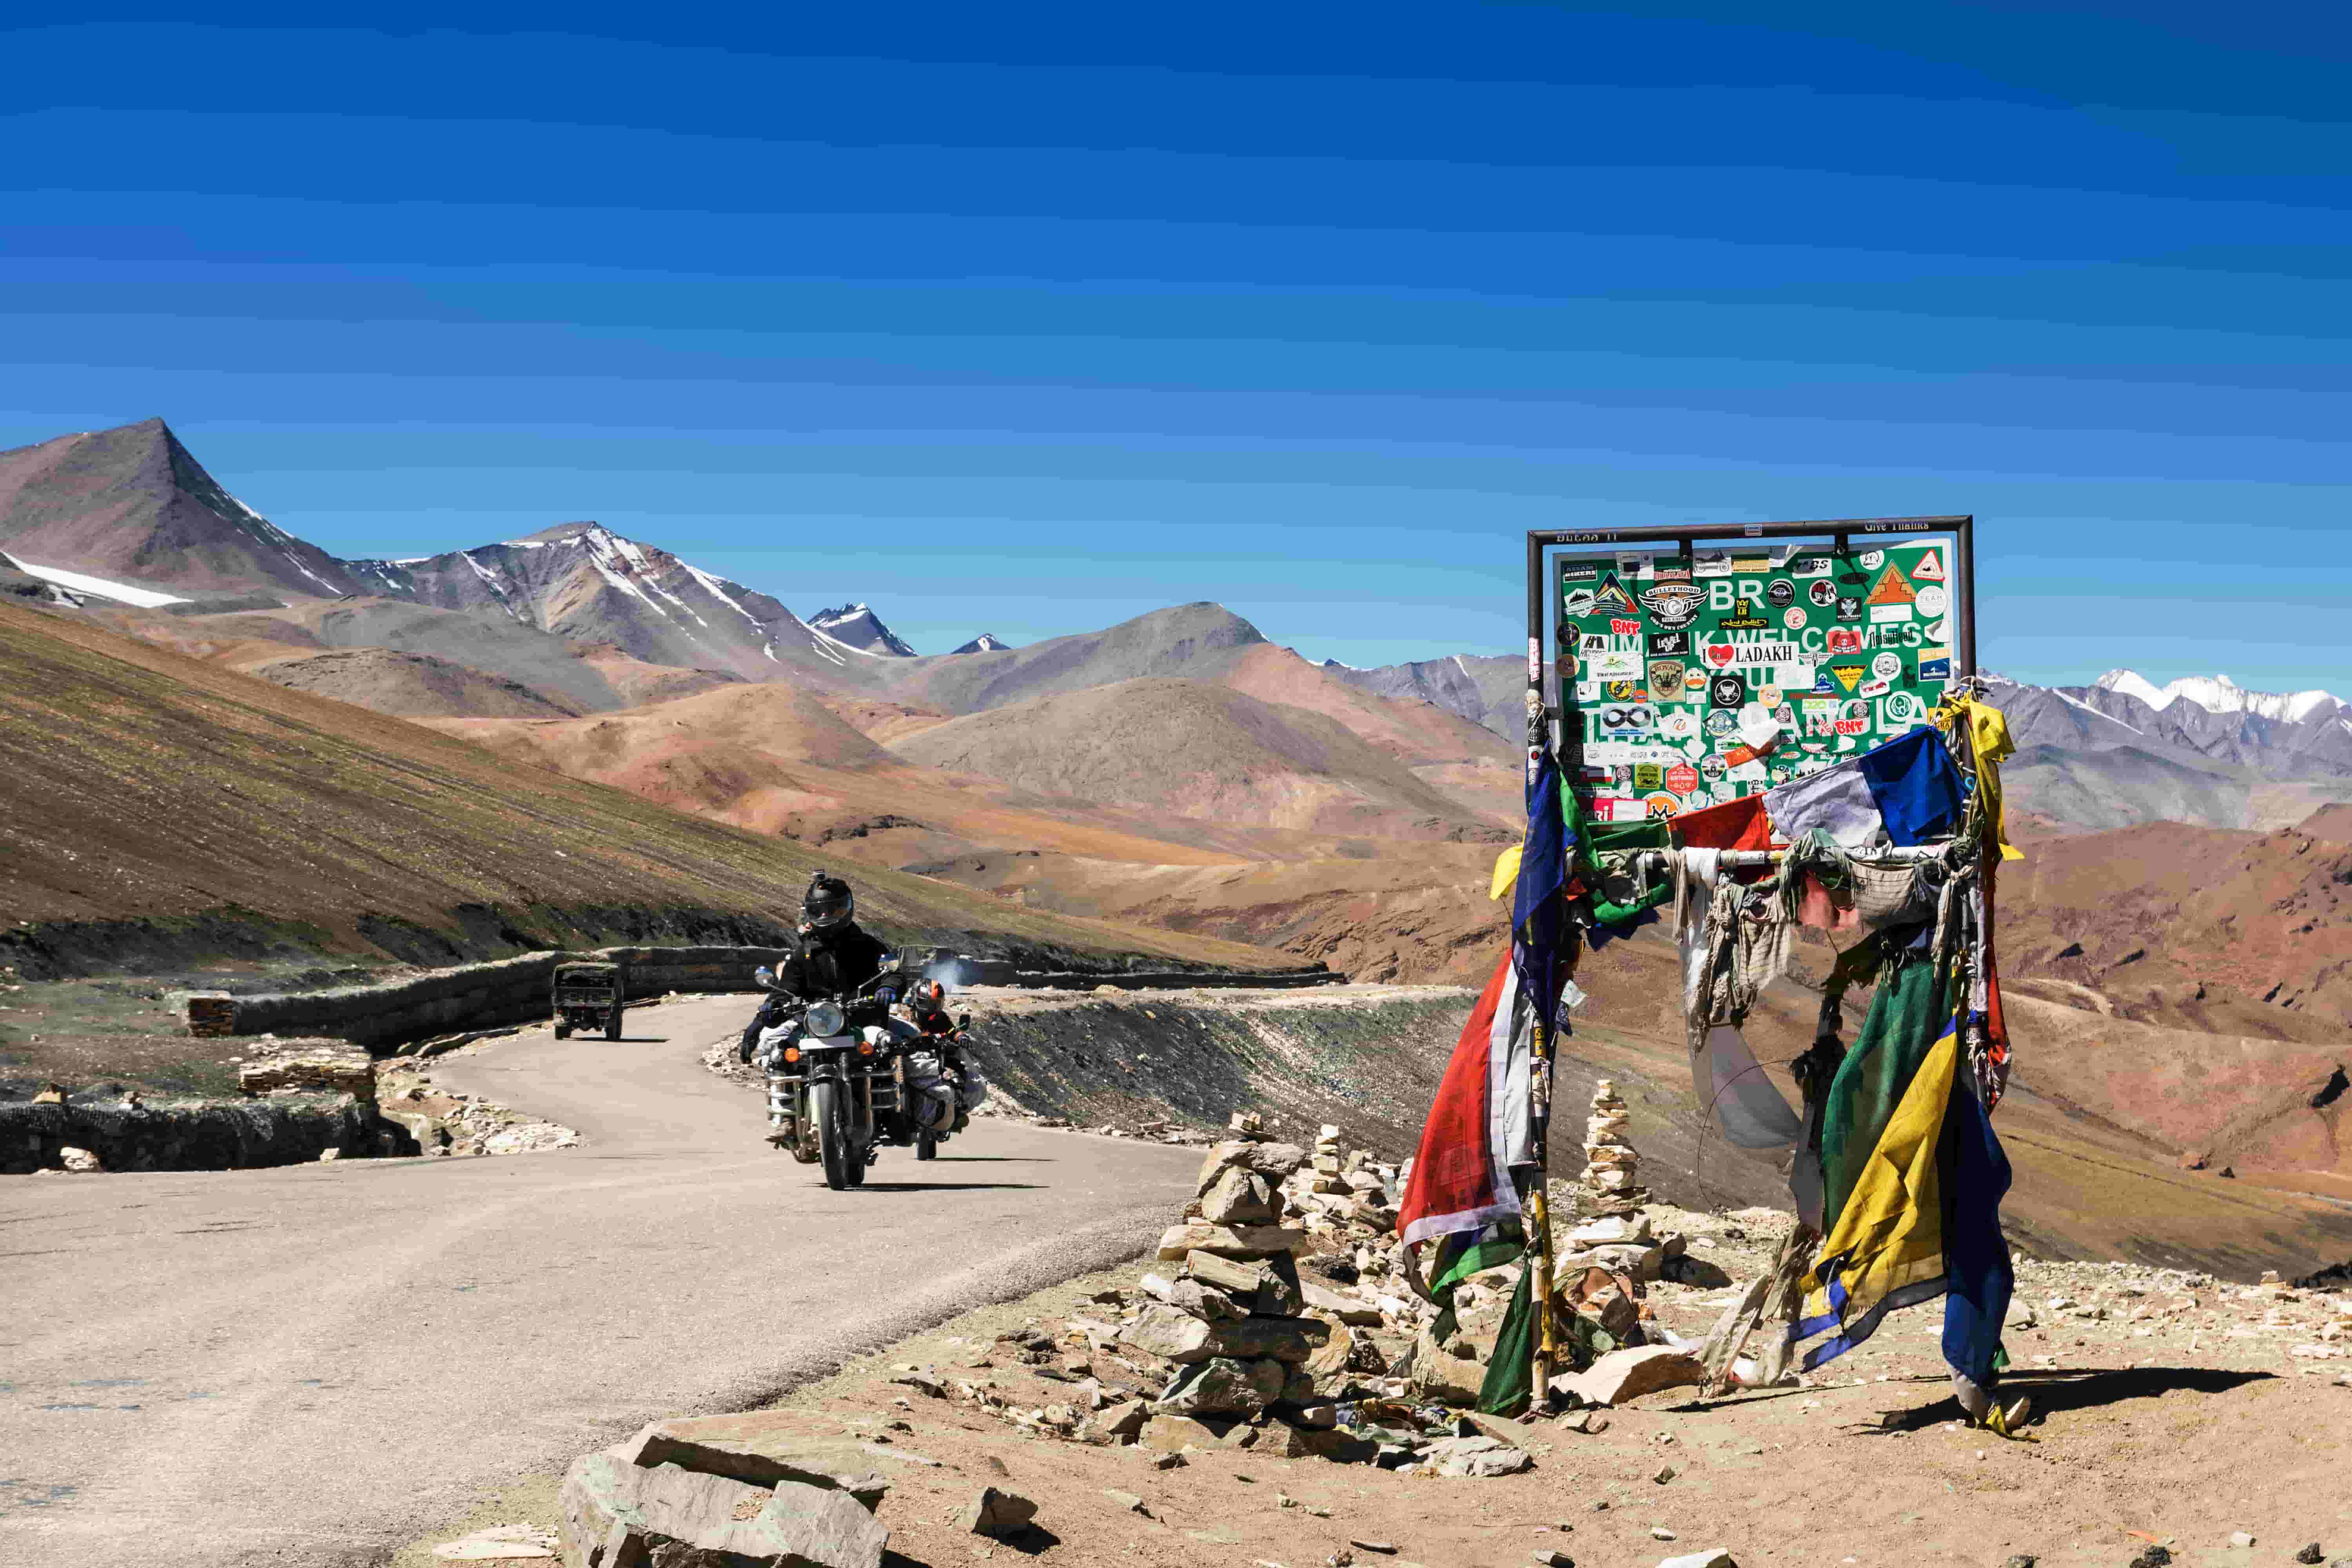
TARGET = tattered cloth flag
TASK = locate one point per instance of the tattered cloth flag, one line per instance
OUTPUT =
(1915, 1178)
(1905, 792)
(1480, 1124)
(1484, 1122)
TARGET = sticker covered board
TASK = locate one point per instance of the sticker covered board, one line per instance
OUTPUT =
(1670, 640)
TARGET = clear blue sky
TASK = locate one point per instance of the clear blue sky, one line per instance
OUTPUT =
(1030, 319)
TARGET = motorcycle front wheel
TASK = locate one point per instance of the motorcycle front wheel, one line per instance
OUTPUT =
(829, 1107)
(927, 1145)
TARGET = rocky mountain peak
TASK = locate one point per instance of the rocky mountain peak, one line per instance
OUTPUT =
(986, 642)
(132, 504)
(858, 626)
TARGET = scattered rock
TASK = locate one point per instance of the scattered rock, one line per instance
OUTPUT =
(1628, 1375)
(1180, 1337)
(759, 1447)
(616, 1511)
(79, 1162)
(996, 1514)
(1713, 1557)
(2311, 1553)
(1223, 1387)
(1476, 1457)
(1241, 1242)
(1128, 1500)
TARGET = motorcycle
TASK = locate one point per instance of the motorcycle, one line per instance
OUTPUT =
(850, 1074)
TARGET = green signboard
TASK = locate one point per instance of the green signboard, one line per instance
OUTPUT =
(1695, 679)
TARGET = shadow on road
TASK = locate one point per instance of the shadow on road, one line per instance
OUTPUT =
(947, 1187)
(996, 1160)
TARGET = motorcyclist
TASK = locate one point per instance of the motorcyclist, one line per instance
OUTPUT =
(837, 954)
(927, 1005)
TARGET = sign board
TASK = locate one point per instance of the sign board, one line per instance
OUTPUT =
(1703, 675)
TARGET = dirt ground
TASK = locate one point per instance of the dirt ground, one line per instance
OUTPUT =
(2157, 1422)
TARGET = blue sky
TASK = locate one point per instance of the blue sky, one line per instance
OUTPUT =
(1030, 320)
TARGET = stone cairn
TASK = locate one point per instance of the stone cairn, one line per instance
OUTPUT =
(1612, 1171)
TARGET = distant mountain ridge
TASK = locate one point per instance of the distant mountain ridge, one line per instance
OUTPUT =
(126, 522)
(584, 583)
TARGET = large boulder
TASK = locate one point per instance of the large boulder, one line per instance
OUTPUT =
(617, 1515)
(761, 1448)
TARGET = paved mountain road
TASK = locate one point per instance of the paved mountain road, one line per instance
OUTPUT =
(310, 1364)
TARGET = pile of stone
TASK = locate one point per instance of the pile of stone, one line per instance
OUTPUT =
(444, 1123)
(725, 1489)
(1278, 1318)
(308, 1067)
(1611, 1169)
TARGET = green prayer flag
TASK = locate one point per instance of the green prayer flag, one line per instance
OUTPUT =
(1505, 1391)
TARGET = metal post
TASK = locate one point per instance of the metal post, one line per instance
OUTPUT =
(1966, 573)
(1538, 1208)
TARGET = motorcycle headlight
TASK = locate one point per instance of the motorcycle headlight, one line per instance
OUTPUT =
(825, 1018)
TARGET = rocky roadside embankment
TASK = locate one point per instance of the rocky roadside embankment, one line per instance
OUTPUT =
(303, 1100)
(1269, 1390)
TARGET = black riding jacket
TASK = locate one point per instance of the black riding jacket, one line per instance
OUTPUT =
(830, 962)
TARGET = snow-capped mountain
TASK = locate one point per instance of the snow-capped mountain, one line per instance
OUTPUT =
(2294, 737)
(584, 583)
(2217, 694)
(858, 626)
(986, 642)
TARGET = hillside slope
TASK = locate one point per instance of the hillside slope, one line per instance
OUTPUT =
(155, 806)
(1193, 748)
(405, 685)
(1195, 640)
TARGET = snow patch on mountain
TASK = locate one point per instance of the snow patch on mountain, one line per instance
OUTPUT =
(2078, 703)
(2219, 694)
(96, 587)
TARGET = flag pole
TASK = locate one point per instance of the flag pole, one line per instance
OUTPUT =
(1539, 1202)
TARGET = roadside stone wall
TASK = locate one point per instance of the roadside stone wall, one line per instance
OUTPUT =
(468, 996)
(196, 1134)
(514, 990)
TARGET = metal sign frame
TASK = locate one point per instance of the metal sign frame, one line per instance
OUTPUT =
(1543, 712)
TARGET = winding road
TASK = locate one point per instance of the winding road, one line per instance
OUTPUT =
(310, 1364)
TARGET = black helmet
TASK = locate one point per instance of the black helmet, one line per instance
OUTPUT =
(828, 905)
(929, 994)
